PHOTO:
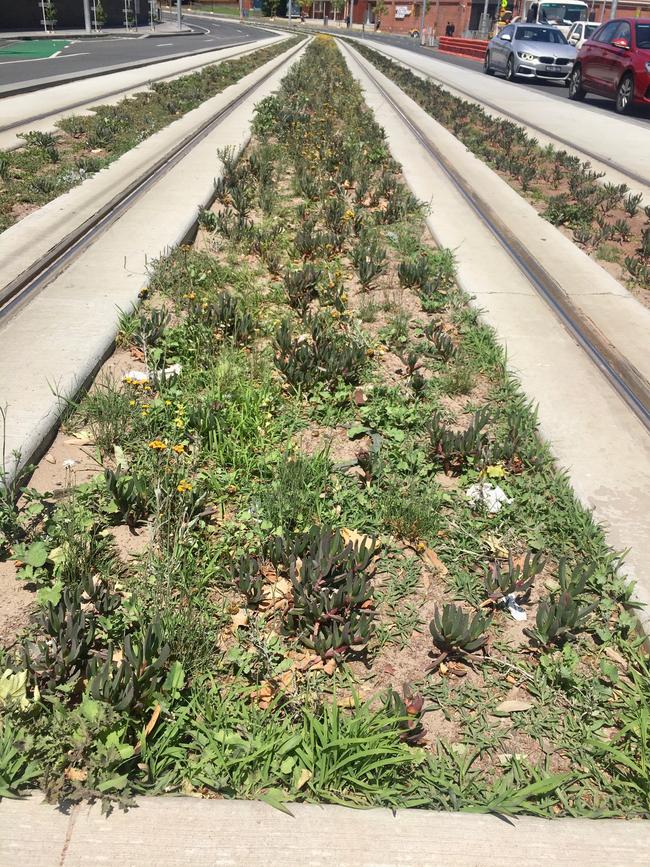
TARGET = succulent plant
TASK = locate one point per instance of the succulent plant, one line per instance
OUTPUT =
(332, 591)
(369, 259)
(129, 493)
(133, 682)
(455, 448)
(323, 354)
(517, 579)
(249, 580)
(457, 633)
(414, 272)
(442, 342)
(301, 286)
(227, 315)
(559, 619)
(407, 709)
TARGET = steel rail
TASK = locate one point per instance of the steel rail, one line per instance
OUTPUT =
(623, 376)
(605, 161)
(48, 266)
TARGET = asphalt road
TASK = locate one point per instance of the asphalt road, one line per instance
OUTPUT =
(93, 53)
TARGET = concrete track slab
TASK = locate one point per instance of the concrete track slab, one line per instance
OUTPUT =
(54, 343)
(40, 110)
(606, 137)
(593, 434)
(170, 832)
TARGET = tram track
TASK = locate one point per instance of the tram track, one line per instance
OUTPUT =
(621, 375)
(49, 265)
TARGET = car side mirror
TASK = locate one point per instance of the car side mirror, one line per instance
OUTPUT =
(621, 43)
(506, 37)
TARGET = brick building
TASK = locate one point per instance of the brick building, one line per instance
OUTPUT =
(403, 17)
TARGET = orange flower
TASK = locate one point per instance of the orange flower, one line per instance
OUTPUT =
(158, 445)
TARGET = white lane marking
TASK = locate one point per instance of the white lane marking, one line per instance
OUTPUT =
(163, 44)
(39, 59)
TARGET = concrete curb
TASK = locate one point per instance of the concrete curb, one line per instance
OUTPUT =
(175, 831)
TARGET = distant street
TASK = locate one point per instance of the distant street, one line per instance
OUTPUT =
(97, 53)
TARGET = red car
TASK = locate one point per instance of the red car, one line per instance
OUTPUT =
(615, 62)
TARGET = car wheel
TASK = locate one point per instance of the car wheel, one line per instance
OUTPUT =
(576, 90)
(624, 94)
(487, 69)
(511, 75)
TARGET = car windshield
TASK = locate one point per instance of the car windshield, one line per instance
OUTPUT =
(590, 29)
(540, 34)
(560, 13)
(643, 36)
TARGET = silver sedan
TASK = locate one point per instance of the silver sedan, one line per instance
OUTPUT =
(530, 51)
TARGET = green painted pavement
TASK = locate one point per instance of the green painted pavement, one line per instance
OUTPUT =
(33, 49)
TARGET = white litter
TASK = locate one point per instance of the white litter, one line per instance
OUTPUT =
(146, 375)
(69, 464)
(516, 611)
(136, 376)
(492, 497)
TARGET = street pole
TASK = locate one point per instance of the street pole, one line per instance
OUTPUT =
(289, 11)
(424, 12)
(241, 11)
(612, 11)
(87, 23)
(485, 17)
(351, 14)
(179, 13)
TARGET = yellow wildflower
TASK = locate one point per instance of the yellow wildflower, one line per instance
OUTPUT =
(183, 486)
(158, 445)
(179, 448)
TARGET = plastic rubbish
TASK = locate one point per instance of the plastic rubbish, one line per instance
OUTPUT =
(492, 497)
(146, 375)
(516, 611)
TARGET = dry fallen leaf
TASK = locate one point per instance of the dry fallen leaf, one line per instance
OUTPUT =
(347, 701)
(431, 559)
(359, 396)
(356, 538)
(77, 775)
(513, 706)
(330, 667)
(305, 777)
(240, 618)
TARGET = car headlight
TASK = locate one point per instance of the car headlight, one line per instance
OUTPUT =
(647, 68)
(526, 55)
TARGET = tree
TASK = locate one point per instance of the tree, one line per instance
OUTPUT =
(380, 10)
(273, 7)
(337, 6)
(49, 14)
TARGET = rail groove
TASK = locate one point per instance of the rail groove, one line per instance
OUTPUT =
(624, 377)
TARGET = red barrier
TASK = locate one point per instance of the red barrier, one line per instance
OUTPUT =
(471, 48)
